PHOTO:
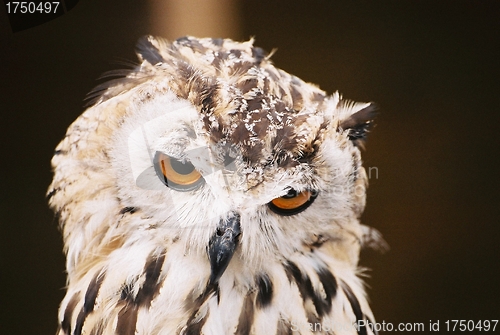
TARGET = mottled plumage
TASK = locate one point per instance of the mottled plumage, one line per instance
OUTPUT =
(208, 192)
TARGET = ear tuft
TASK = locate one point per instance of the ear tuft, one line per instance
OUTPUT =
(148, 51)
(358, 124)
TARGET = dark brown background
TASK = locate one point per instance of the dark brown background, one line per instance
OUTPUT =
(432, 66)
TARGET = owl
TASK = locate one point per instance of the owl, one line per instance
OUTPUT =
(208, 192)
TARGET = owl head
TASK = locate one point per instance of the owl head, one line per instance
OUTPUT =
(208, 145)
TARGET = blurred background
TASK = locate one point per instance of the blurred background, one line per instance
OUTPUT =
(433, 67)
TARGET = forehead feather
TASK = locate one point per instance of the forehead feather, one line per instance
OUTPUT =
(242, 98)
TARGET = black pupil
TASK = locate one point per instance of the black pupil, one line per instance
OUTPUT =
(291, 194)
(181, 168)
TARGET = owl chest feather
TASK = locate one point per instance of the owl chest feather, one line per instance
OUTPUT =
(171, 294)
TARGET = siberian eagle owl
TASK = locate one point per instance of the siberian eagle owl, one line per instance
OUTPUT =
(209, 192)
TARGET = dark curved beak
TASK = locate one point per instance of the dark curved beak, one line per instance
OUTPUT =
(222, 245)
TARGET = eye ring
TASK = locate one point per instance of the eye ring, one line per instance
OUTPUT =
(175, 174)
(293, 202)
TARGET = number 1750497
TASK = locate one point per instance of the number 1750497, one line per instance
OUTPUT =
(471, 325)
(32, 7)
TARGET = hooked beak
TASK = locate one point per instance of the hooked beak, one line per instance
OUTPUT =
(222, 246)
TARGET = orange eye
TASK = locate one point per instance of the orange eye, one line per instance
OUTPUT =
(292, 202)
(180, 176)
